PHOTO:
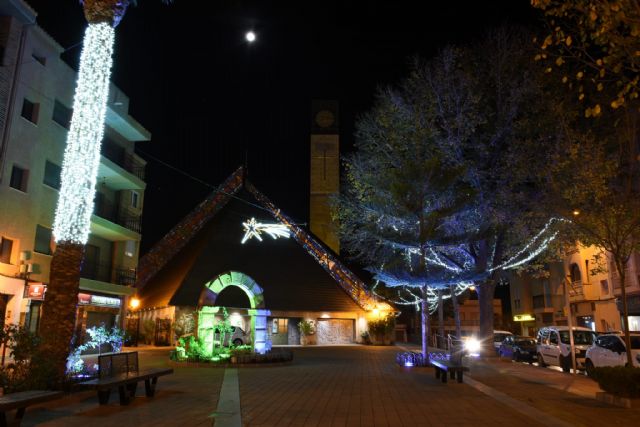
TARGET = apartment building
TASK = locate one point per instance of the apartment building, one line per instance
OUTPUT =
(36, 99)
(632, 288)
(537, 302)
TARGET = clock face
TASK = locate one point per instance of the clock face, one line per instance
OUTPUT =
(325, 118)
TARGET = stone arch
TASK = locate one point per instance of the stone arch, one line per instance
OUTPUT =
(241, 280)
(256, 299)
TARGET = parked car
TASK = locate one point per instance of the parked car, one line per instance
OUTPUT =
(473, 345)
(237, 336)
(610, 350)
(498, 337)
(518, 348)
(553, 346)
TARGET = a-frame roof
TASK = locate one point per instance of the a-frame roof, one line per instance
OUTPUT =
(298, 273)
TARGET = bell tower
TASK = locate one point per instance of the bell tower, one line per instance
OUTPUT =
(325, 170)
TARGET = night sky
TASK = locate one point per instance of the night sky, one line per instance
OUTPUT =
(211, 100)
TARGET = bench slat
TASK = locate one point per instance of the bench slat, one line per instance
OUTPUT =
(26, 398)
(125, 378)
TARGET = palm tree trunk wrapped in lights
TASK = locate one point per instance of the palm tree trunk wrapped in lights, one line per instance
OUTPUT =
(79, 174)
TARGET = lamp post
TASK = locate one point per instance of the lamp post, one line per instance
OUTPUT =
(133, 305)
(567, 306)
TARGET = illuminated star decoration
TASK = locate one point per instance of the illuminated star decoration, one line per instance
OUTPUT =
(252, 228)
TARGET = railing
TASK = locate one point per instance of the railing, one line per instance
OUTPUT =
(122, 216)
(108, 273)
(576, 289)
(124, 159)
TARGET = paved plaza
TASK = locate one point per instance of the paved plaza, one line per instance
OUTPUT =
(344, 386)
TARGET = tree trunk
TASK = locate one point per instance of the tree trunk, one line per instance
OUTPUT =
(486, 291)
(426, 327)
(109, 11)
(456, 312)
(59, 308)
(625, 311)
(441, 340)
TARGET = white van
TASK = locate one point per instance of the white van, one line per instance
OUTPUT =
(553, 346)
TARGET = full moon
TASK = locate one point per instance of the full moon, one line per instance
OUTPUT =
(250, 36)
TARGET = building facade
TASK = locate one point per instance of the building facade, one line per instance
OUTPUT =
(537, 302)
(36, 98)
(216, 258)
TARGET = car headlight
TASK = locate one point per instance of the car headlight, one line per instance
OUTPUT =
(472, 345)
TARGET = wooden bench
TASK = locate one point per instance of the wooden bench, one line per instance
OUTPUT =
(120, 370)
(21, 401)
(126, 384)
(444, 366)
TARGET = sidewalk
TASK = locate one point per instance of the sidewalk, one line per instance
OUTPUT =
(567, 397)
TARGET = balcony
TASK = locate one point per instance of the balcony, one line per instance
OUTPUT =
(121, 216)
(575, 289)
(124, 159)
(114, 223)
(108, 273)
(107, 279)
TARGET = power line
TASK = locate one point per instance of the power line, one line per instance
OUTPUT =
(206, 184)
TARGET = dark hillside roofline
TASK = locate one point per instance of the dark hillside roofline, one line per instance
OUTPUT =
(176, 239)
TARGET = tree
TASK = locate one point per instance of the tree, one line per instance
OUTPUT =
(594, 46)
(396, 196)
(442, 190)
(495, 122)
(78, 180)
(604, 208)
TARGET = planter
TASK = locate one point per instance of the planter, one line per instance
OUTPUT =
(612, 399)
(304, 340)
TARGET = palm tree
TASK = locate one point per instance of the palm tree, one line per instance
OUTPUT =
(79, 174)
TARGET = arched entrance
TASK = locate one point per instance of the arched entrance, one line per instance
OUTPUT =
(256, 300)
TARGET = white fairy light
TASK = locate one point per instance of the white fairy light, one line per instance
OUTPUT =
(82, 153)
(252, 228)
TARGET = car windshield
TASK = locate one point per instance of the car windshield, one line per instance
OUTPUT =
(579, 337)
(526, 342)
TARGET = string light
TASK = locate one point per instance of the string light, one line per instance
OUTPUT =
(82, 153)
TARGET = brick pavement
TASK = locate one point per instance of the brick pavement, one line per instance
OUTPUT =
(340, 386)
(186, 398)
(361, 386)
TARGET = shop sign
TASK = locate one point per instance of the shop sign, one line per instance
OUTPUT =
(35, 291)
(523, 318)
(88, 299)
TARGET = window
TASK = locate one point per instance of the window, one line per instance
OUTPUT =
(553, 338)
(43, 240)
(604, 286)
(516, 303)
(30, 110)
(134, 199)
(279, 326)
(40, 59)
(52, 175)
(19, 178)
(6, 246)
(62, 114)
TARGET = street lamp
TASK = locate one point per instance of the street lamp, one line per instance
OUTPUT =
(134, 303)
(567, 305)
